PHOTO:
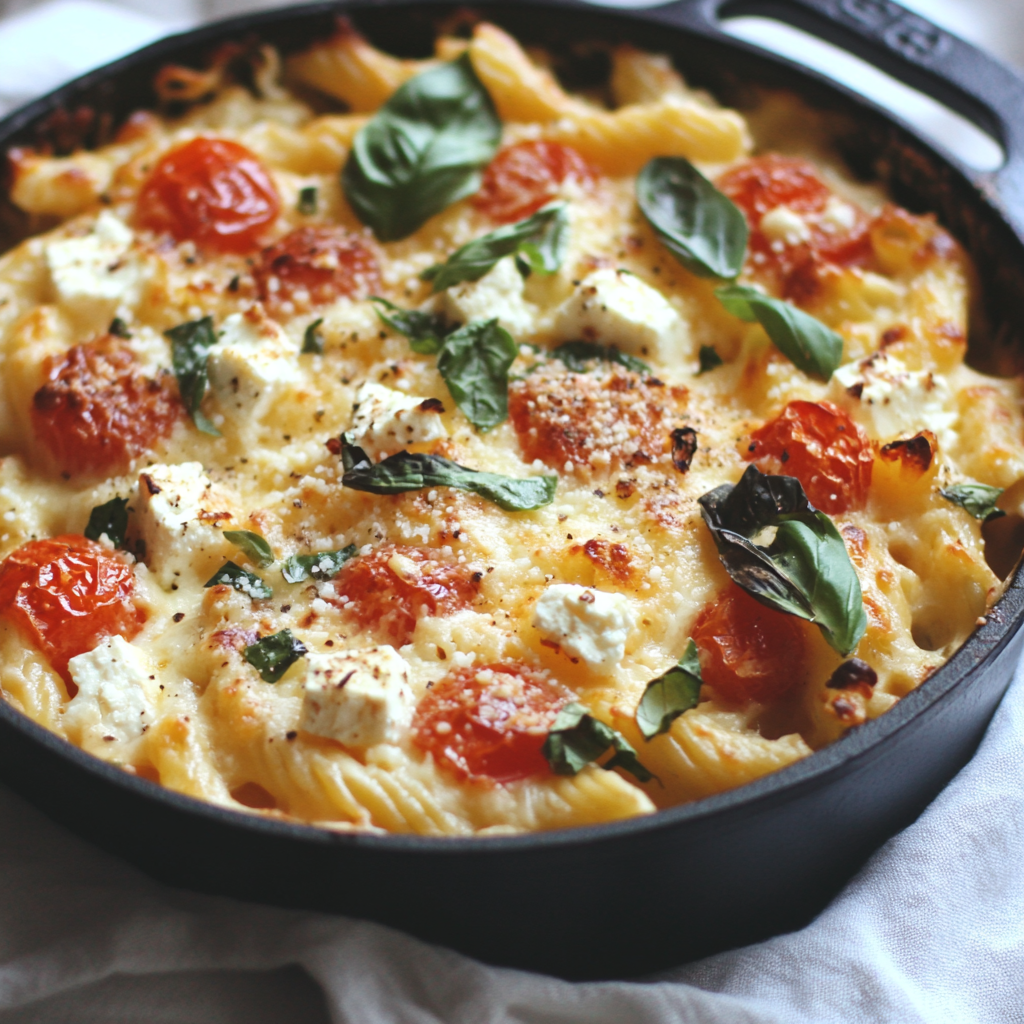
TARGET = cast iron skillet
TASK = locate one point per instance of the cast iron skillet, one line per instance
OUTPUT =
(631, 897)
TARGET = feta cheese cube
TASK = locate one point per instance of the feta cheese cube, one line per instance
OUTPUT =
(586, 623)
(358, 698)
(385, 421)
(614, 307)
(499, 293)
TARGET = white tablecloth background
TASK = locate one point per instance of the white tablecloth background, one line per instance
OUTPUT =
(932, 930)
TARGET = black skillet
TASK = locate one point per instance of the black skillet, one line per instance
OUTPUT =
(631, 897)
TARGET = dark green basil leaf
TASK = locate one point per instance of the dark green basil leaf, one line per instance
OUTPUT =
(577, 354)
(705, 230)
(546, 233)
(474, 362)
(577, 739)
(425, 331)
(977, 499)
(307, 201)
(406, 471)
(422, 151)
(322, 566)
(118, 328)
(275, 654)
(312, 340)
(803, 340)
(190, 349)
(255, 546)
(242, 580)
(709, 359)
(110, 518)
(805, 570)
(668, 696)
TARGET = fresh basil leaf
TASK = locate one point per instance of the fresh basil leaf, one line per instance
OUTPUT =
(422, 151)
(273, 655)
(110, 518)
(307, 203)
(322, 566)
(406, 471)
(803, 340)
(190, 349)
(709, 359)
(118, 328)
(546, 233)
(242, 580)
(425, 331)
(668, 696)
(704, 229)
(474, 362)
(255, 546)
(977, 499)
(312, 340)
(577, 739)
(577, 354)
(804, 571)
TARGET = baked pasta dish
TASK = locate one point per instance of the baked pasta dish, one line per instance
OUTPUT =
(422, 446)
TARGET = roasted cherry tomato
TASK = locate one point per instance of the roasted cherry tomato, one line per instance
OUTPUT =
(312, 266)
(747, 650)
(212, 192)
(67, 595)
(97, 411)
(490, 723)
(523, 177)
(391, 587)
(823, 448)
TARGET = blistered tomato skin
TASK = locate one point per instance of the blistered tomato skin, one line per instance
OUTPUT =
(212, 192)
(823, 448)
(523, 177)
(748, 652)
(312, 266)
(97, 411)
(489, 724)
(67, 595)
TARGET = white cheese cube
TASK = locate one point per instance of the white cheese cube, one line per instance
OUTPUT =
(385, 421)
(358, 698)
(614, 307)
(783, 226)
(117, 693)
(499, 293)
(586, 623)
(837, 216)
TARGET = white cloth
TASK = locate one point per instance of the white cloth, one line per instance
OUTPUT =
(931, 931)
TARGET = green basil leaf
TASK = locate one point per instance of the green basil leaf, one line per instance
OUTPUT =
(322, 566)
(422, 151)
(704, 229)
(803, 340)
(242, 580)
(805, 570)
(709, 359)
(118, 328)
(546, 233)
(190, 349)
(577, 739)
(110, 518)
(668, 696)
(425, 331)
(406, 471)
(578, 354)
(312, 340)
(255, 546)
(977, 499)
(307, 201)
(474, 362)
(275, 654)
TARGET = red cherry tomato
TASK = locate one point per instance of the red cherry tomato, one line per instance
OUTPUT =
(312, 266)
(489, 724)
(67, 595)
(823, 448)
(748, 652)
(97, 411)
(523, 177)
(212, 192)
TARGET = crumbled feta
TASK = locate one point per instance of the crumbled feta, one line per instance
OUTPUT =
(499, 293)
(385, 421)
(358, 698)
(837, 215)
(614, 307)
(586, 623)
(783, 226)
